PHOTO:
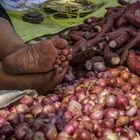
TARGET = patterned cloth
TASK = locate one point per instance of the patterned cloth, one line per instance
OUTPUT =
(19, 5)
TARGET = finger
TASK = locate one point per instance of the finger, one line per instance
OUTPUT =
(69, 57)
(59, 70)
(65, 51)
(64, 64)
(58, 61)
(55, 66)
(63, 58)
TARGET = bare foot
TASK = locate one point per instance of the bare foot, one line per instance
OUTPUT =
(40, 58)
(43, 83)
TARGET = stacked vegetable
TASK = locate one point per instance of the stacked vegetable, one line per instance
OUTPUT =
(112, 39)
(102, 107)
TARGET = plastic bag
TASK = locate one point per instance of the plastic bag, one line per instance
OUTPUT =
(19, 5)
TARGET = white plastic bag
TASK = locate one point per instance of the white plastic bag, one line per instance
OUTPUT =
(19, 5)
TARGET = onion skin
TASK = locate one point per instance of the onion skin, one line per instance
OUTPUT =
(133, 80)
(131, 111)
(122, 121)
(27, 100)
(51, 131)
(38, 135)
(111, 101)
(21, 129)
(111, 113)
(69, 129)
(122, 101)
(108, 123)
(124, 74)
(83, 135)
(136, 125)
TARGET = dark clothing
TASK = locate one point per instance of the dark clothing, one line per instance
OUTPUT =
(4, 14)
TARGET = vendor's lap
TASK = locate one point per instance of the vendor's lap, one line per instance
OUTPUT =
(43, 83)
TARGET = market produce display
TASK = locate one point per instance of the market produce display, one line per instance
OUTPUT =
(114, 37)
(98, 99)
(104, 106)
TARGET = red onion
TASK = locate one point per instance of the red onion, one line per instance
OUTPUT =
(13, 118)
(92, 102)
(122, 101)
(126, 87)
(46, 101)
(134, 80)
(7, 130)
(111, 113)
(40, 98)
(101, 82)
(86, 118)
(83, 135)
(36, 110)
(28, 135)
(85, 100)
(106, 74)
(4, 112)
(118, 130)
(2, 121)
(137, 88)
(22, 108)
(21, 129)
(74, 107)
(108, 123)
(68, 115)
(63, 136)
(81, 97)
(87, 108)
(125, 74)
(47, 109)
(122, 112)
(38, 135)
(111, 82)
(96, 126)
(99, 66)
(120, 82)
(96, 90)
(122, 121)
(74, 123)
(56, 105)
(87, 82)
(115, 72)
(131, 111)
(37, 123)
(93, 96)
(97, 113)
(69, 129)
(110, 101)
(136, 125)
(50, 131)
(69, 90)
(27, 100)
(73, 98)
(102, 96)
(131, 132)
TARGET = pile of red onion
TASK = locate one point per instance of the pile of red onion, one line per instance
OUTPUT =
(101, 107)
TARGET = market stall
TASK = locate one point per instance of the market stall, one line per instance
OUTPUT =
(99, 98)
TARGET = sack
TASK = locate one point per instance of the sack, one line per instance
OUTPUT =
(18, 5)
